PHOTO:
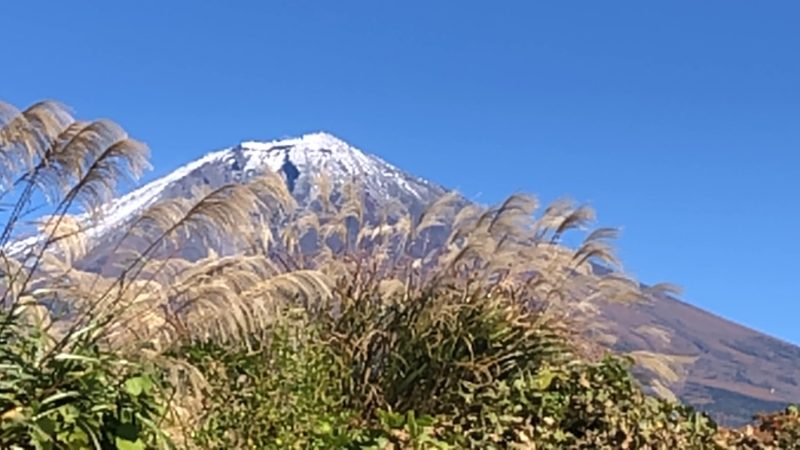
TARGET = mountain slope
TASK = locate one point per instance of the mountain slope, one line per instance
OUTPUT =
(300, 160)
(724, 368)
(736, 371)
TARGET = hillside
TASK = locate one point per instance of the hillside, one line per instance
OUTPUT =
(736, 371)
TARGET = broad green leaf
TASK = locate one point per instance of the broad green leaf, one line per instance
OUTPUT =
(124, 444)
(136, 385)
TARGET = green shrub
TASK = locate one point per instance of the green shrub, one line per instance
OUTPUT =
(779, 430)
(435, 373)
(576, 405)
(74, 395)
(283, 393)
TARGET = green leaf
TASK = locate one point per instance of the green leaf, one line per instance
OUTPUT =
(72, 357)
(136, 385)
(47, 425)
(127, 431)
(75, 439)
(544, 379)
(323, 428)
(124, 444)
(425, 421)
(392, 420)
(59, 396)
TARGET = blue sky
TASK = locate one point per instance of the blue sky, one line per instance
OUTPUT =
(679, 121)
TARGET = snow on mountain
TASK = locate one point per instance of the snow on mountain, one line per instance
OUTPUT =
(298, 159)
(312, 153)
(123, 208)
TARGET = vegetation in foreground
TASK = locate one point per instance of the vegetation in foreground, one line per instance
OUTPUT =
(453, 328)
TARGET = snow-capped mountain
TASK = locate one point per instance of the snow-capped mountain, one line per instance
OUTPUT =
(298, 159)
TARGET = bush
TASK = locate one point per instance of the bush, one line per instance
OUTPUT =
(300, 389)
(578, 405)
(780, 430)
(485, 375)
(284, 393)
(74, 395)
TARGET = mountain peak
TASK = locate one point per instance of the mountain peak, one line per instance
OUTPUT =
(299, 159)
(320, 140)
(323, 139)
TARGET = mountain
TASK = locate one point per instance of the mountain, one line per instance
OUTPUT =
(299, 159)
(719, 366)
(730, 371)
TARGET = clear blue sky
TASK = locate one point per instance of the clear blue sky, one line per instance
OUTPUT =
(678, 120)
